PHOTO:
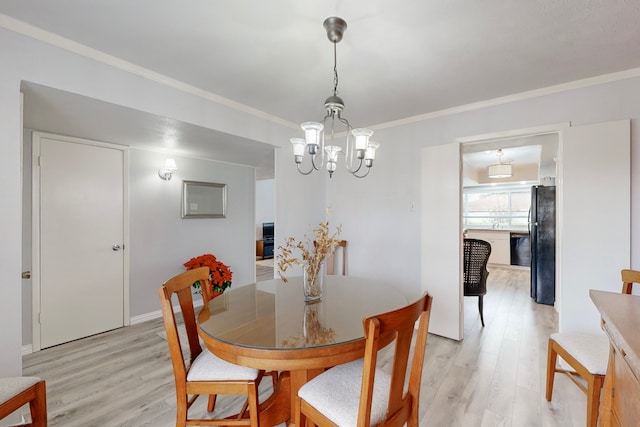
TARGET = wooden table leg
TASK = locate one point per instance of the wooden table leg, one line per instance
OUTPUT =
(607, 397)
(275, 410)
(298, 379)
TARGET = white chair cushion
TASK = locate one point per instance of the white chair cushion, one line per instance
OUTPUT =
(592, 351)
(336, 393)
(13, 386)
(209, 367)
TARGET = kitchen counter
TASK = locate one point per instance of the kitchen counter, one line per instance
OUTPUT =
(508, 246)
(510, 230)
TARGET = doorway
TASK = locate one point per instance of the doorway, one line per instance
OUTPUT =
(441, 226)
(593, 165)
(508, 211)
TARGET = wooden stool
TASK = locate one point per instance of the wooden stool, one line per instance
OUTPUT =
(16, 392)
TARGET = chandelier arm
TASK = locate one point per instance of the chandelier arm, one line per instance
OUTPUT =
(361, 176)
(349, 148)
(313, 160)
(345, 122)
(352, 171)
(304, 173)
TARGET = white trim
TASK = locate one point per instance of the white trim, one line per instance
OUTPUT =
(26, 349)
(35, 227)
(91, 53)
(190, 156)
(158, 313)
(35, 244)
(88, 52)
(514, 133)
(145, 317)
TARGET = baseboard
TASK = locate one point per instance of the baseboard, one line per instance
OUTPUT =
(145, 317)
(157, 314)
(27, 349)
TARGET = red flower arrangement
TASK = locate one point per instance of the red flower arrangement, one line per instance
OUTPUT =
(220, 274)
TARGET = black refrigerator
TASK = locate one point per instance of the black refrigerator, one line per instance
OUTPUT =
(542, 230)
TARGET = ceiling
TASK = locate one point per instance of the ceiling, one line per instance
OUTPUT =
(393, 63)
(532, 157)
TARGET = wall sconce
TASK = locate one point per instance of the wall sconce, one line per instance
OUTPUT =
(166, 172)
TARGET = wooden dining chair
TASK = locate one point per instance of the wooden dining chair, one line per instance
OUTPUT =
(15, 392)
(342, 247)
(359, 393)
(587, 355)
(206, 374)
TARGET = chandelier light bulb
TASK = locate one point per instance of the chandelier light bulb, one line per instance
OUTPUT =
(370, 154)
(362, 137)
(298, 148)
(312, 133)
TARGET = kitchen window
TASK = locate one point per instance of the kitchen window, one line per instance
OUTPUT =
(496, 207)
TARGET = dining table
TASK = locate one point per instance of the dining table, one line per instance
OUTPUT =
(268, 325)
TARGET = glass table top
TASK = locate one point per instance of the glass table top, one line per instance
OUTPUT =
(273, 315)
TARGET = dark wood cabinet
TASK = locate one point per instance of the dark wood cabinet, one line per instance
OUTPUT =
(264, 248)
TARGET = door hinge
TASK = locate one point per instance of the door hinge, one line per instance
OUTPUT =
(40, 318)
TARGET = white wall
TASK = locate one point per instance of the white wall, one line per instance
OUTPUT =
(376, 215)
(265, 204)
(10, 226)
(161, 241)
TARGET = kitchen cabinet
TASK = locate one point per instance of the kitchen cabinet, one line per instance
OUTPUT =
(500, 244)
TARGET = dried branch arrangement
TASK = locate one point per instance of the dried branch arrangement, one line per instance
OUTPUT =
(312, 251)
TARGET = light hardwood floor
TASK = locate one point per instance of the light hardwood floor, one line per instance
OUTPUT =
(494, 377)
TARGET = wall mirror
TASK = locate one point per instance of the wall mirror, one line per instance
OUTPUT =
(204, 200)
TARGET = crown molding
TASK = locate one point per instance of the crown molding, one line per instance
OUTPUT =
(535, 93)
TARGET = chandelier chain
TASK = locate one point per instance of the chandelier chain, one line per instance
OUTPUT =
(335, 70)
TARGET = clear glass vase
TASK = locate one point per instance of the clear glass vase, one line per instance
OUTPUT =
(313, 281)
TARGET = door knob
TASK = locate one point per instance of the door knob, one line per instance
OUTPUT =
(115, 247)
(26, 275)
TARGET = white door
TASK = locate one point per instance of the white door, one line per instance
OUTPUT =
(441, 236)
(594, 225)
(79, 195)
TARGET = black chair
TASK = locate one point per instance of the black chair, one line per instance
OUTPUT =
(476, 255)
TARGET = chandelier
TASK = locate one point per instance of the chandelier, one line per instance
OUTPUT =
(500, 170)
(359, 150)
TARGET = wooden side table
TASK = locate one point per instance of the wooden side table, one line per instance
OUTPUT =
(260, 248)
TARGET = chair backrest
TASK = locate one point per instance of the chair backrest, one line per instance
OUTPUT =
(181, 286)
(629, 277)
(380, 330)
(342, 247)
(474, 266)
